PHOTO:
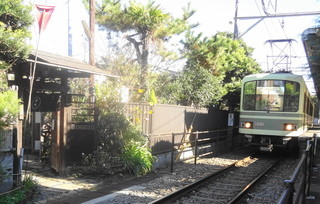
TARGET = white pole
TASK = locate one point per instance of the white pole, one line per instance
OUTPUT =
(32, 80)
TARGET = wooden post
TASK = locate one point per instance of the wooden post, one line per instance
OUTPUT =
(172, 153)
(92, 62)
(92, 23)
(196, 148)
(63, 129)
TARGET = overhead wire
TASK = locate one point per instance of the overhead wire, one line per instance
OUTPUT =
(281, 23)
(258, 7)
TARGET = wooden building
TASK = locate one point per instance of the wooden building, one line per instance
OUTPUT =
(73, 114)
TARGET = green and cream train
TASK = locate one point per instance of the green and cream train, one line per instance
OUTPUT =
(275, 109)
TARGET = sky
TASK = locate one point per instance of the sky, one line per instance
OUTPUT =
(212, 15)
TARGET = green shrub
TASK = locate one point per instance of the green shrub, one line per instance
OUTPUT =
(116, 136)
(100, 162)
(22, 195)
(9, 108)
(136, 159)
(115, 132)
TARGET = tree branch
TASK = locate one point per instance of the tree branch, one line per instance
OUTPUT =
(136, 46)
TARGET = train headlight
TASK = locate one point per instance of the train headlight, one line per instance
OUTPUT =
(247, 125)
(289, 127)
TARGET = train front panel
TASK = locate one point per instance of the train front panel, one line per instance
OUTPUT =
(274, 109)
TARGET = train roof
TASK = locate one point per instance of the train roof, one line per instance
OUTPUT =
(279, 76)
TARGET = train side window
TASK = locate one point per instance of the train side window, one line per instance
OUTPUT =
(249, 95)
(291, 96)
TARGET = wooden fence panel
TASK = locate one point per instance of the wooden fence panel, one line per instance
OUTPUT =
(160, 121)
(168, 118)
(140, 115)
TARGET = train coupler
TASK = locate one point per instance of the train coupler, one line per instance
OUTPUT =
(267, 148)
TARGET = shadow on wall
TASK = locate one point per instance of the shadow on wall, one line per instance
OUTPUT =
(213, 120)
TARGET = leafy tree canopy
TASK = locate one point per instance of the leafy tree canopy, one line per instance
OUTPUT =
(197, 87)
(15, 18)
(146, 27)
(147, 19)
(227, 59)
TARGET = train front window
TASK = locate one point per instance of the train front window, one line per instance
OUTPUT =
(249, 95)
(271, 95)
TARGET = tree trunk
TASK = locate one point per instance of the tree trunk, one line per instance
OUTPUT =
(142, 52)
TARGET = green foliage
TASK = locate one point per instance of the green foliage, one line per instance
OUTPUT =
(108, 97)
(122, 65)
(3, 81)
(153, 99)
(166, 88)
(147, 27)
(101, 162)
(197, 87)
(15, 18)
(193, 86)
(141, 18)
(29, 187)
(137, 159)
(9, 108)
(115, 133)
(30, 183)
(226, 59)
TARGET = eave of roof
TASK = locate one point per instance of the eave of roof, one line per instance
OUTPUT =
(311, 43)
(65, 62)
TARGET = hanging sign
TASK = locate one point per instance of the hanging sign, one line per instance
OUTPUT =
(230, 119)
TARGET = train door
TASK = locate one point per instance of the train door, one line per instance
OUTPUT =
(305, 108)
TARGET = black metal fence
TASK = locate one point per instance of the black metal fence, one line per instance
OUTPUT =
(200, 143)
(9, 177)
(298, 186)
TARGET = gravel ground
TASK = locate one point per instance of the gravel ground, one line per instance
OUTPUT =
(184, 174)
(271, 187)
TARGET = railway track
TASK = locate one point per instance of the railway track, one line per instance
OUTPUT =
(227, 185)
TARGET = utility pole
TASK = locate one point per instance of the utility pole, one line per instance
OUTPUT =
(69, 32)
(92, 9)
(235, 31)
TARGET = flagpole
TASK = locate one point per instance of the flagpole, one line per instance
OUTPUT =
(32, 78)
(42, 21)
(27, 118)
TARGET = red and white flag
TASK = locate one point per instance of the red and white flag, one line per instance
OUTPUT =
(43, 16)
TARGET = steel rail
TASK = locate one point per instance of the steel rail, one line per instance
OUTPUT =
(185, 190)
(245, 190)
(188, 188)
